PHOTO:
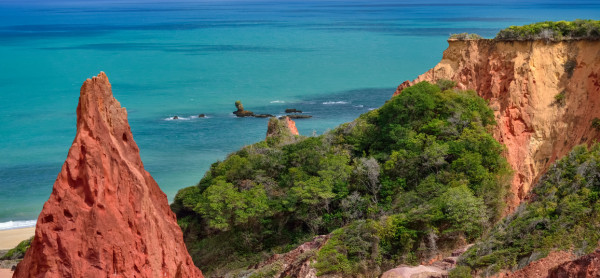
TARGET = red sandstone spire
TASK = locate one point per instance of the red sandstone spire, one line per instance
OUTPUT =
(106, 216)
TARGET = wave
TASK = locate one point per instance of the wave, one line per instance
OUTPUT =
(358, 106)
(17, 224)
(180, 118)
(335, 102)
(277, 101)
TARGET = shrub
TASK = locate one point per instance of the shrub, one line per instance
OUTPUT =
(553, 30)
(569, 67)
(563, 214)
(19, 251)
(445, 84)
(596, 123)
(560, 98)
(465, 36)
(460, 271)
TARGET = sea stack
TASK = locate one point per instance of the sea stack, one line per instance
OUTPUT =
(283, 126)
(106, 216)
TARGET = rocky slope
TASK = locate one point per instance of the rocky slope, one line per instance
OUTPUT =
(586, 266)
(106, 215)
(545, 95)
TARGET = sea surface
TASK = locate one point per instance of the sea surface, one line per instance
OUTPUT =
(333, 59)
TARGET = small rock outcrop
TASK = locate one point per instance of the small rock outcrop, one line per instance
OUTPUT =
(282, 127)
(240, 112)
(106, 216)
(546, 97)
(299, 116)
(586, 266)
(292, 110)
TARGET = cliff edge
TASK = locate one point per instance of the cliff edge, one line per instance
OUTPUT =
(545, 95)
(106, 215)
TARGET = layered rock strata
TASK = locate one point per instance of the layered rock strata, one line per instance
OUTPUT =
(546, 97)
(106, 216)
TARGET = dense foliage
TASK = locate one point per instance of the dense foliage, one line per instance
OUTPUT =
(465, 36)
(418, 175)
(19, 251)
(564, 214)
(553, 30)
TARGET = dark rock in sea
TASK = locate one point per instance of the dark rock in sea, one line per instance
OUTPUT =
(201, 116)
(175, 117)
(299, 116)
(263, 116)
(244, 113)
(240, 110)
(292, 110)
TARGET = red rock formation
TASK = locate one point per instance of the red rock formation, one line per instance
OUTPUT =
(291, 125)
(586, 266)
(541, 267)
(521, 80)
(283, 126)
(106, 215)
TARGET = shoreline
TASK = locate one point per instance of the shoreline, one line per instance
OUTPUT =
(9, 239)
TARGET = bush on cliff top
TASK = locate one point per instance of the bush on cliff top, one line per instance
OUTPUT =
(465, 36)
(563, 214)
(419, 174)
(553, 30)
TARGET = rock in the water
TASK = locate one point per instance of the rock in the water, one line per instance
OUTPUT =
(299, 116)
(201, 116)
(283, 129)
(240, 110)
(292, 110)
(175, 118)
(106, 216)
(263, 115)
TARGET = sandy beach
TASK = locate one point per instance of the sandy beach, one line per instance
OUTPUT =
(11, 238)
(5, 273)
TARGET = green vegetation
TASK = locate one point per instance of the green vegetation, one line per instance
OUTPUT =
(465, 36)
(563, 214)
(400, 183)
(570, 67)
(19, 251)
(596, 123)
(559, 98)
(551, 30)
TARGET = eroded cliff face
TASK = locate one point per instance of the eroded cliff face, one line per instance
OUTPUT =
(106, 216)
(545, 96)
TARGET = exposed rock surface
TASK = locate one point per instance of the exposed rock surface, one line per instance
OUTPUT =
(106, 216)
(541, 267)
(420, 271)
(586, 266)
(545, 96)
(292, 110)
(283, 126)
(296, 263)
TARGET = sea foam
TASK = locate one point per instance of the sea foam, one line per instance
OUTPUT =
(335, 102)
(17, 224)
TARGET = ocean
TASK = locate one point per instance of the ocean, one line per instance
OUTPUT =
(332, 59)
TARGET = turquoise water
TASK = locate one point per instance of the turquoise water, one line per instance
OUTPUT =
(333, 59)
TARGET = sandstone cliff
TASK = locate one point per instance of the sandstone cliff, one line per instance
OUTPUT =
(106, 215)
(545, 95)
